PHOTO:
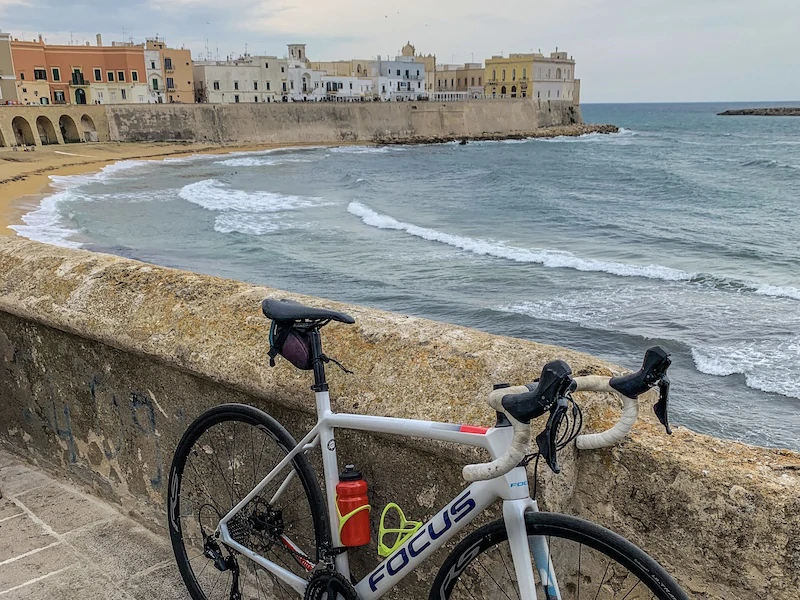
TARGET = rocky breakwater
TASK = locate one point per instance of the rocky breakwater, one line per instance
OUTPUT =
(574, 130)
(783, 111)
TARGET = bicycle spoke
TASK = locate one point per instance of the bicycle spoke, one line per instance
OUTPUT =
(492, 578)
(608, 564)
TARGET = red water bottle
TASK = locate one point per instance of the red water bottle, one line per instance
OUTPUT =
(351, 498)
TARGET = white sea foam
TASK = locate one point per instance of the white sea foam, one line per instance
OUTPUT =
(255, 161)
(214, 195)
(768, 365)
(360, 150)
(251, 224)
(45, 223)
(546, 257)
(622, 137)
(778, 291)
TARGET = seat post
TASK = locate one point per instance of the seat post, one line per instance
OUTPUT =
(320, 384)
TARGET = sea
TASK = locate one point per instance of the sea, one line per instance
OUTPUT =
(680, 230)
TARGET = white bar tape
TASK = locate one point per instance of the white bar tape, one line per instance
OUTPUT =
(520, 444)
(630, 412)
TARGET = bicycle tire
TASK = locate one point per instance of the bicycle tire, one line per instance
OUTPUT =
(463, 575)
(196, 447)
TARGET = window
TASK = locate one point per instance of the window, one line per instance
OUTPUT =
(459, 81)
(153, 64)
(255, 85)
(56, 74)
(24, 90)
(236, 98)
(558, 93)
(134, 76)
(473, 82)
(351, 85)
(504, 74)
(341, 86)
(292, 84)
(558, 73)
(266, 65)
(216, 85)
(548, 93)
(170, 83)
(22, 76)
(255, 98)
(168, 64)
(120, 75)
(58, 97)
(513, 75)
(538, 94)
(124, 95)
(284, 86)
(479, 80)
(283, 70)
(398, 72)
(419, 85)
(98, 75)
(40, 74)
(110, 75)
(407, 74)
(155, 84)
(236, 85)
(451, 83)
(524, 73)
(267, 84)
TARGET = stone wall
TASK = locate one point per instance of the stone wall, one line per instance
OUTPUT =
(39, 125)
(104, 361)
(273, 123)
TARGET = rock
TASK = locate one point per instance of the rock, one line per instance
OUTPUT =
(784, 111)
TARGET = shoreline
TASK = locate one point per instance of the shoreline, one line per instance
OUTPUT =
(25, 177)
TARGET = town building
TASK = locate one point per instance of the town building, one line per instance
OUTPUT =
(347, 89)
(532, 75)
(429, 60)
(458, 82)
(357, 67)
(154, 69)
(178, 73)
(401, 79)
(248, 79)
(304, 82)
(8, 85)
(554, 78)
(72, 74)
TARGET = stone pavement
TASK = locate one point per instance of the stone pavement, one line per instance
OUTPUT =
(57, 543)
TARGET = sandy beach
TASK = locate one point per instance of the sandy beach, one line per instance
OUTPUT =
(24, 176)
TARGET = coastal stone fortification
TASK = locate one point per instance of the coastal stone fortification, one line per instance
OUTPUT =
(336, 122)
(785, 111)
(104, 361)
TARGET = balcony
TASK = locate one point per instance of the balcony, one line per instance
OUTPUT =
(78, 80)
(171, 87)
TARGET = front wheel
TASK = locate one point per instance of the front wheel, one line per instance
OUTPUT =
(589, 562)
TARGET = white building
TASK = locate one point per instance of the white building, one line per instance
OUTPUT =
(554, 77)
(399, 79)
(347, 89)
(304, 83)
(248, 79)
(155, 75)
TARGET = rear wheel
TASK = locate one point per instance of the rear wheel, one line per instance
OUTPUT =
(590, 562)
(220, 459)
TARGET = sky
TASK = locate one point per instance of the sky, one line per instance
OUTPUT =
(625, 50)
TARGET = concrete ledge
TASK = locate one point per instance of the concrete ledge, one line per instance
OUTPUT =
(104, 361)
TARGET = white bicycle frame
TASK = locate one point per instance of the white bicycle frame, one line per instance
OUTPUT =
(511, 488)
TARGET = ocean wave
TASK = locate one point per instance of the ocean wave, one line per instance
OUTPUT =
(769, 163)
(546, 257)
(766, 365)
(45, 223)
(360, 150)
(213, 195)
(622, 137)
(252, 224)
(253, 161)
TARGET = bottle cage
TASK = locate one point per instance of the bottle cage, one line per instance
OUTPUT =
(404, 531)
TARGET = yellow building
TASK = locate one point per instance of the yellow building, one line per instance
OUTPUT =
(177, 68)
(509, 77)
(8, 88)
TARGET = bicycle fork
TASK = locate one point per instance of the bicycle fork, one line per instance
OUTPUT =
(524, 548)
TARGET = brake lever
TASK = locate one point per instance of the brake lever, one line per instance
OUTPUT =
(548, 439)
(661, 408)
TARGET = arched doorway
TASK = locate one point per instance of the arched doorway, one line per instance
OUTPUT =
(89, 131)
(46, 131)
(503, 91)
(69, 131)
(513, 91)
(558, 73)
(2, 140)
(22, 132)
(80, 96)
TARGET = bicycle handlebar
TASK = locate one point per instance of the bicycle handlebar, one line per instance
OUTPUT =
(520, 404)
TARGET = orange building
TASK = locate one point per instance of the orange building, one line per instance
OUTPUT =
(79, 74)
(177, 72)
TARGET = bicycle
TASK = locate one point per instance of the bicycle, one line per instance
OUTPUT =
(279, 535)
